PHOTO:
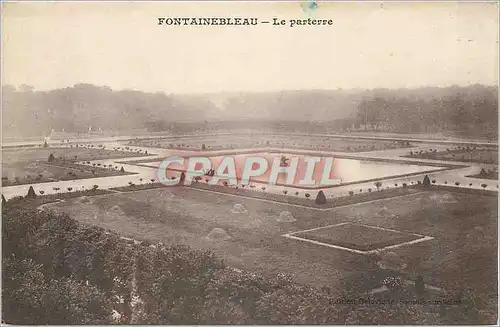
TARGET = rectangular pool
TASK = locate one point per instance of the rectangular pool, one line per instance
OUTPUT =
(347, 170)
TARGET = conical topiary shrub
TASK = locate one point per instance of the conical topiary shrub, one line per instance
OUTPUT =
(320, 198)
(427, 181)
(31, 193)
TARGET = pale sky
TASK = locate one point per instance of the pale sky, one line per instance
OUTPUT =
(369, 45)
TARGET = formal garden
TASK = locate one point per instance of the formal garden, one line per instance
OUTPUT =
(323, 143)
(469, 153)
(58, 270)
(45, 164)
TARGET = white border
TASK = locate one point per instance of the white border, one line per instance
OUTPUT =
(422, 238)
(291, 204)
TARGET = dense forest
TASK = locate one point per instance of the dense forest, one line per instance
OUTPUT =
(465, 111)
(472, 111)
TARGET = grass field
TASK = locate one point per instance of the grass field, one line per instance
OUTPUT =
(477, 155)
(489, 174)
(12, 156)
(463, 226)
(293, 198)
(258, 141)
(356, 237)
(26, 166)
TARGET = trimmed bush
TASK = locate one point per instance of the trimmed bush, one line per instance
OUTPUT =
(31, 193)
(320, 198)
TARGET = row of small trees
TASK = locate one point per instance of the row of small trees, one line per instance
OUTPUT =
(320, 196)
(426, 182)
(459, 153)
(32, 194)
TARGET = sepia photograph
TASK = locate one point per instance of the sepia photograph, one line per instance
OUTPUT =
(249, 163)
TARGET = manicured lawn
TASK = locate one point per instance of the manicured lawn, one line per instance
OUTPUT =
(183, 215)
(256, 141)
(478, 155)
(26, 166)
(358, 237)
(12, 156)
(490, 174)
(296, 198)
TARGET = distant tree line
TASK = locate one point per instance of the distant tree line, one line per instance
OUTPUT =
(83, 106)
(470, 110)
